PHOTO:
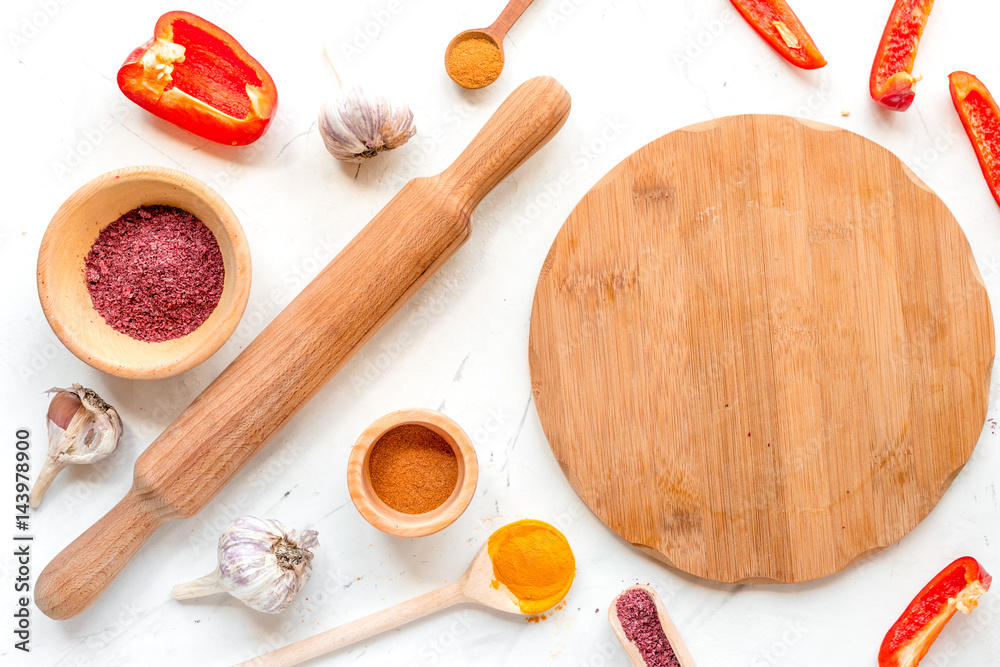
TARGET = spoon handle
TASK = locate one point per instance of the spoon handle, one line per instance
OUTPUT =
(363, 628)
(510, 14)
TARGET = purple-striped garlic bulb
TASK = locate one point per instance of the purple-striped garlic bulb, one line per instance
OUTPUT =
(261, 563)
(356, 126)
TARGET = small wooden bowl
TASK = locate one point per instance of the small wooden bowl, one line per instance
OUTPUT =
(62, 287)
(388, 520)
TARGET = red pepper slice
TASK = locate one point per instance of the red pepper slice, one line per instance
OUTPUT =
(957, 587)
(891, 82)
(197, 76)
(981, 118)
(775, 21)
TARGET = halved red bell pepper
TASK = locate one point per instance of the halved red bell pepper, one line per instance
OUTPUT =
(197, 76)
(891, 81)
(775, 21)
(981, 118)
(957, 587)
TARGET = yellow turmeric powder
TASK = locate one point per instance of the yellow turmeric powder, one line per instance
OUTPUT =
(534, 561)
(474, 61)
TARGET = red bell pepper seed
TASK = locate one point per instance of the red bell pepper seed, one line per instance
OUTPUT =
(196, 75)
(981, 119)
(891, 81)
(775, 21)
(957, 587)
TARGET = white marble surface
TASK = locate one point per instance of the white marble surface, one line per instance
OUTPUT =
(636, 69)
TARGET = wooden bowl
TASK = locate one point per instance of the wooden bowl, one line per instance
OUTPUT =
(397, 523)
(62, 288)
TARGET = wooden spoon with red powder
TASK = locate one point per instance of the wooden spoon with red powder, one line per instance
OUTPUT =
(642, 625)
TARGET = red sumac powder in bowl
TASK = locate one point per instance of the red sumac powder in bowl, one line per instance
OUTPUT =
(155, 274)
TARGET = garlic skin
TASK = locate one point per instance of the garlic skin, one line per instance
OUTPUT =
(356, 126)
(261, 563)
(82, 428)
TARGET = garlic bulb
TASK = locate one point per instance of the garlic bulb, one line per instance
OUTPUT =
(261, 563)
(82, 427)
(356, 126)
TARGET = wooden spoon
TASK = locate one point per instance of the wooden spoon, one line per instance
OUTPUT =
(669, 629)
(493, 34)
(474, 586)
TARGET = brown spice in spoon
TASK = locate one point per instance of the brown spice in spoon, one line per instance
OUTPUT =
(475, 62)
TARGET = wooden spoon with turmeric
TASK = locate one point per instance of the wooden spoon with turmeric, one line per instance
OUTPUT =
(526, 567)
(474, 58)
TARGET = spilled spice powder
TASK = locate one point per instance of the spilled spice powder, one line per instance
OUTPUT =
(544, 617)
(412, 469)
(475, 62)
(641, 623)
(155, 273)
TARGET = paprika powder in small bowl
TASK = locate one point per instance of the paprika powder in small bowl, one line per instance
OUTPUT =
(144, 272)
(412, 472)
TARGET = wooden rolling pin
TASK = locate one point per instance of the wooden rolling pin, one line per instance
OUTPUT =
(305, 345)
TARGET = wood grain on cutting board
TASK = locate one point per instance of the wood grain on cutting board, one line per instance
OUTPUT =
(761, 349)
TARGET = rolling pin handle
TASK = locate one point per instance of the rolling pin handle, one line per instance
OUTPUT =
(83, 570)
(523, 123)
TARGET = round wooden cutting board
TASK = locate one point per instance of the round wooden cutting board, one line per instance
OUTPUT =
(761, 349)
